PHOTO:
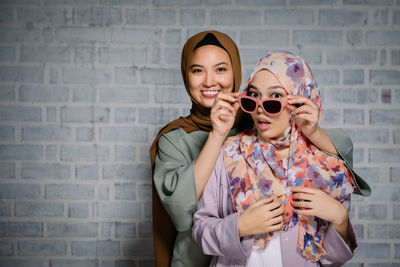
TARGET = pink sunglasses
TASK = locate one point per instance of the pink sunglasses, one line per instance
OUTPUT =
(272, 106)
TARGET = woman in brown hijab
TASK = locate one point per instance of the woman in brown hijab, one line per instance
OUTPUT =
(185, 150)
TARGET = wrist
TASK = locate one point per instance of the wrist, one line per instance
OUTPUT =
(342, 219)
(315, 135)
(217, 137)
(240, 226)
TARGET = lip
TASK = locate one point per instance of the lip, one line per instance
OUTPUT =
(263, 124)
(209, 93)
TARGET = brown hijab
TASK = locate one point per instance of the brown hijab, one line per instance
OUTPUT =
(164, 232)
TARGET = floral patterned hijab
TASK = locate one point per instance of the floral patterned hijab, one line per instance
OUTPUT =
(255, 167)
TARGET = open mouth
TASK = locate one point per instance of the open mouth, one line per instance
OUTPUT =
(263, 124)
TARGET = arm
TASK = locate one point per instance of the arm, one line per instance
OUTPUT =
(214, 230)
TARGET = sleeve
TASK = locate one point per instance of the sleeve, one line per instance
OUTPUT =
(337, 250)
(343, 144)
(214, 230)
(175, 183)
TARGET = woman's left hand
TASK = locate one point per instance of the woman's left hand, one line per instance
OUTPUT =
(315, 202)
(306, 114)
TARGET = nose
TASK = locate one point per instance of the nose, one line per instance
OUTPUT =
(209, 80)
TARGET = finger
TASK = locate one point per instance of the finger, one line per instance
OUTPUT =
(222, 104)
(263, 201)
(303, 189)
(302, 196)
(306, 117)
(305, 110)
(231, 97)
(275, 220)
(274, 228)
(277, 212)
(302, 204)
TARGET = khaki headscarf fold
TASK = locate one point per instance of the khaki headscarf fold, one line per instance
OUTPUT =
(164, 232)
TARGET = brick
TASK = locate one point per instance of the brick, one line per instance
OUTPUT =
(73, 262)
(118, 210)
(23, 263)
(95, 248)
(7, 93)
(317, 37)
(172, 55)
(146, 229)
(331, 17)
(380, 17)
(85, 134)
(7, 133)
(21, 152)
(369, 136)
(5, 211)
(84, 95)
(396, 17)
(148, 210)
(313, 2)
(84, 54)
(372, 251)
(6, 248)
(157, 115)
(172, 36)
(103, 192)
(20, 113)
(78, 210)
(397, 91)
(385, 117)
(195, 17)
(357, 57)
(39, 209)
(43, 93)
(384, 77)
(395, 174)
(125, 115)
(48, 16)
(289, 17)
(135, 56)
(382, 60)
(161, 76)
(396, 137)
(6, 15)
(45, 170)
(7, 170)
(350, 95)
(396, 212)
(135, 248)
(229, 17)
(46, 133)
(51, 114)
(125, 75)
(86, 172)
(354, 37)
(176, 2)
(127, 171)
(97, 16)
(82, 35)
(352, 77)
(326, 77)
(331, 117)
(383, 231)
(22, 74)
(51, 152)
(218, 2)
(385, 192)
(395, 56)
(42, 248)
(106, 229)
(21, 229)
(153, 16)
(69, 191)
(125, 230)
(383, 37)
(123, 134)
(86, 76)
(264, 38)
(358, 155)
(125, 191)
(125, 153)
(7, 53)
(171, 95)
(13, 34)
(68, 2)
(45, 54)
(372, 212)
(369, 2)
(85, 114)
(61, 229)
(384, 155)
(145, 191)
(136, 36)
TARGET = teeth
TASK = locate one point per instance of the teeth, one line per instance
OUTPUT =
(210, 92)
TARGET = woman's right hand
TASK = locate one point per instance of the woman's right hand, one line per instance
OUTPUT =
(263, 216)
(223, 113)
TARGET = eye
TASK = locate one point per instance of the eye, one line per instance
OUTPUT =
(221, 69)
(253, 94)
(276, 95)
(197, 70)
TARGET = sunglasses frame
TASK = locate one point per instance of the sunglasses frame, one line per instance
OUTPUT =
(283, 102)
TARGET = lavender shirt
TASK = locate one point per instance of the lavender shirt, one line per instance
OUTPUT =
(216, 232)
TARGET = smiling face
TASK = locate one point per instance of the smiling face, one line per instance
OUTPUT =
(210, 72)
(269, 127)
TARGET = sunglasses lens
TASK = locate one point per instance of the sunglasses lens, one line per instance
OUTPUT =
(248, 104)
(272, 106)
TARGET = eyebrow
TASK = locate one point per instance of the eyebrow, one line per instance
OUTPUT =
(201, 66)
(269, 88)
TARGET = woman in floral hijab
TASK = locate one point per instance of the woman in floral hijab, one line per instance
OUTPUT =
(275, 199)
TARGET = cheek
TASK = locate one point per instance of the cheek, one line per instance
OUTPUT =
(226, 81)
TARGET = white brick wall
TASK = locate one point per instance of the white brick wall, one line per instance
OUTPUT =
(85, 85)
